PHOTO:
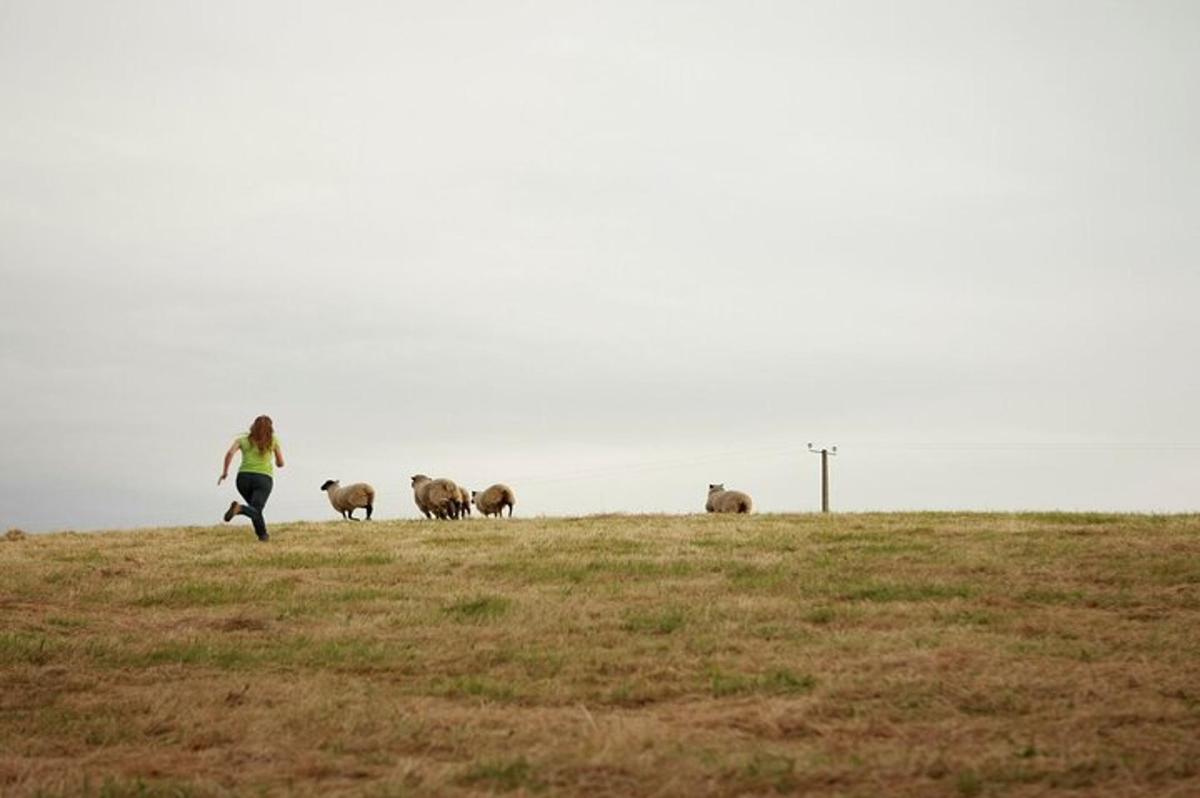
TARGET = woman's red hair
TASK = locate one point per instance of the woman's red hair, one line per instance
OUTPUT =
(262, 434)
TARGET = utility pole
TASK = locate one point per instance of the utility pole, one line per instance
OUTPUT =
(825, 453)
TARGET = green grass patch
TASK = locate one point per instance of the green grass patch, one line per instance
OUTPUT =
(320, 559)
(479, 609)
(885, 592)
(21, 648)
(969, 784)
(110, 787)
(504, 775)
(554, 569)
(820, 616)
(88, 556)
(468, 541)
(768, 771)
(967, 617)
(1051, 596)
(474, 686)
(355, 595)
(67, 622)
(749, 576)
(1075, 519)
(225, 656)
(302, 651)
(778, 681)
(212, 594)
(662, 622)
(607, 545)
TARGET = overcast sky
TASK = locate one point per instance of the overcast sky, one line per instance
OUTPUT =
(605, 252)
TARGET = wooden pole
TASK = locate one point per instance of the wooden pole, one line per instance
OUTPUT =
(824, 480)
(825, 452)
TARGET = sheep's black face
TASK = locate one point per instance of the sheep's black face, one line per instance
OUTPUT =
(328, 484)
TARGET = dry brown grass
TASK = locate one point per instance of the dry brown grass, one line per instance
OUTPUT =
(915, 654)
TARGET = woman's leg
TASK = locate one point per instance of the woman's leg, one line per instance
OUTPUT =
(255, 489)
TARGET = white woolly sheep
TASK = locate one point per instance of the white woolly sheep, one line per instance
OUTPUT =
(727, 501)
(436, 498)
(493, 500)
(349, 498)
(464, 501)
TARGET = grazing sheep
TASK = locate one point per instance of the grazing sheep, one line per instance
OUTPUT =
(348, 499)
(727, 501)
(464, 500)
(436, 497)
(493, 500)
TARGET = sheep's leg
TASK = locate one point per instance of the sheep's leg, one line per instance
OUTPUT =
(350, 514)
(370, 507)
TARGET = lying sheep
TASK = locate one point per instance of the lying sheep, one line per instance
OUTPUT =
(436, 498)
(727, 501)
(493, 500)
(348, 499)
(464, 500)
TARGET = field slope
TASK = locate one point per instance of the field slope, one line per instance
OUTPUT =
(906, 654)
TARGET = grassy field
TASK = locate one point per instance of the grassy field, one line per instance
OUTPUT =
(906, 654)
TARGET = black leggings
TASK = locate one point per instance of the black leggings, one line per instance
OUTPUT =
(255, 488)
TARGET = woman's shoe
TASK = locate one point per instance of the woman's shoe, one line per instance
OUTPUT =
(234, 509)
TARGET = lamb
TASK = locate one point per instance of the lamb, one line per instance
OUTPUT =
(727, 501)
(464, 500)
(436, 497)
(493, 500)
(348, 499)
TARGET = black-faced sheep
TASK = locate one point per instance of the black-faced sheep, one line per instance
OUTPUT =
(464, 501)
(727, 501)
(493, 500)
(349, 498)
(436, 498)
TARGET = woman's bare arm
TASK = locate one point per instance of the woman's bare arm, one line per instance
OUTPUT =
(228, 459)
(278, 455)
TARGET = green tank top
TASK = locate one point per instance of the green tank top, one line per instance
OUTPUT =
(254, 461)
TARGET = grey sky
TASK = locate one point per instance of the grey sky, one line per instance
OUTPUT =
(609, 252)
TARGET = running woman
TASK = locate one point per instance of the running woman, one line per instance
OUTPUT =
(256, 474)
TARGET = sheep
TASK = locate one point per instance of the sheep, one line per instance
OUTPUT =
(493, 500)
(727, 501)
(464, 500)
(436, 497)
(348, 499)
